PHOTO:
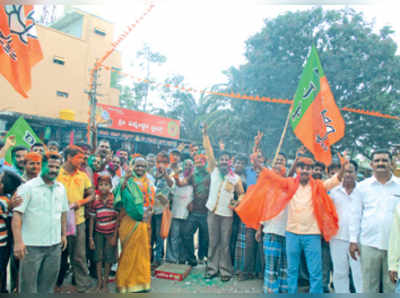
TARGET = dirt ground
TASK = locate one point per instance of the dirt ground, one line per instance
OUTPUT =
(194, 283)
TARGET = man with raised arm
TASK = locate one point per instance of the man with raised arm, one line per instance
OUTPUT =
(224, 183)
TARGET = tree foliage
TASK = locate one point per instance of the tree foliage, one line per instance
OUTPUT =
(359, 61)
(361, 66)
(193, 111)
(134, 95)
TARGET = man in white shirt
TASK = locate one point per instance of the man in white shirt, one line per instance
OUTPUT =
(182, 197)
(394, 250)
(371, 221)
(342, 196)
(39, 226)
(224, 183)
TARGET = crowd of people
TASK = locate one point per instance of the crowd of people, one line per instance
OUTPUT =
(94, 213)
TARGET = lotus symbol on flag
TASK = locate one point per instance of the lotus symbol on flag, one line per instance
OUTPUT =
(23, 26)
(29, 138)
(20, 50)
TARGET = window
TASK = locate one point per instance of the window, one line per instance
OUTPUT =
(58, 60)
(99, 31)
(62, 94)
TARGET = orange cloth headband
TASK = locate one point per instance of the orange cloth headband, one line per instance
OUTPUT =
(33, 156)
(133, 156)
(306, 161)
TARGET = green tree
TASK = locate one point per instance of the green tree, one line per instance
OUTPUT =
(134, 95)
(147, 58)
(128, 99)
(360, 63)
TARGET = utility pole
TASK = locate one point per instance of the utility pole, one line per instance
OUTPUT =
(92, 127)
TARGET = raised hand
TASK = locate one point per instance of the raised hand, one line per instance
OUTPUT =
(221, 145)
(343, 158)
(301, 151)
(258, 137)
(10, 141)
(204, 129)
(181, 146)
(255, 161)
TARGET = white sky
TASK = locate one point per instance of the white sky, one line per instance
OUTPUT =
(202, 38)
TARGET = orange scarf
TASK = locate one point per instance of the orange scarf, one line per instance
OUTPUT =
(146, 188)
(266, 199)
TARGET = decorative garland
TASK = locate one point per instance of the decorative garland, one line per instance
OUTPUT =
(115, 44)
(246, 97)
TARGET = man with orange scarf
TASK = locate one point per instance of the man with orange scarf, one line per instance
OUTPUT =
(311, 213)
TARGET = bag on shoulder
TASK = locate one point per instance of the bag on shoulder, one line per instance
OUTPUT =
(165, 222)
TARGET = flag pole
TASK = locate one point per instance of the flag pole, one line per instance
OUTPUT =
(278, 149)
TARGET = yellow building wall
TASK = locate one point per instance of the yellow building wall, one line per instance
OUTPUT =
(96, 51)
(72, 77)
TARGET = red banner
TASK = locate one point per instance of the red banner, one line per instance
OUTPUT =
(124, 119)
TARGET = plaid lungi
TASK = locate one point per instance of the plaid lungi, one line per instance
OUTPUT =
(238, 265)
(275, 275)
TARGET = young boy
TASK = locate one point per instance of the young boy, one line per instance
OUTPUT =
(106, 227)
(8, 184)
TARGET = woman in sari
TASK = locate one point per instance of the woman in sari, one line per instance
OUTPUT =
(134, 197)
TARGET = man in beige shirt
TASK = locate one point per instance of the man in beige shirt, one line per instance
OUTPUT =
(311, 213)
(303, 231)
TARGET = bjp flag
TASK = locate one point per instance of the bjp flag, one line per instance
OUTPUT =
(315, 117)
(19, 46)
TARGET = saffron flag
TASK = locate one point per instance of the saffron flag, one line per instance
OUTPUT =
(19, 46)
(315, 117)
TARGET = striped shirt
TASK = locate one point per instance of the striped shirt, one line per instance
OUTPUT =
(3, 220)
(105, 214)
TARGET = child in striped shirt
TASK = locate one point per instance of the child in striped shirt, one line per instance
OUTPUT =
(104, 221)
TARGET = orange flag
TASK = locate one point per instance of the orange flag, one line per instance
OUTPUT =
(315, 117)
(19, 46)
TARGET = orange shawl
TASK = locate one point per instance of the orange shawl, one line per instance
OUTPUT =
(147, 188)
(266, 199)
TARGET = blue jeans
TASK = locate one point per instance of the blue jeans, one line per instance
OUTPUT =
(175, 249)
(157, 241)
(311, 244)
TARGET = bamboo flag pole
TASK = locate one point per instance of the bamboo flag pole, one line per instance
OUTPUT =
(278, 149)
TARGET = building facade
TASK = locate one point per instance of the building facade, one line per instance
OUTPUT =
(70, 48)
